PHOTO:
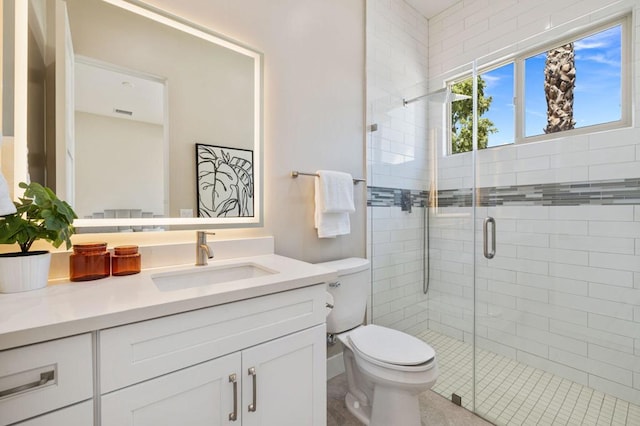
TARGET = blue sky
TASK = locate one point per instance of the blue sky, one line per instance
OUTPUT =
(597, 95)
(499, 85)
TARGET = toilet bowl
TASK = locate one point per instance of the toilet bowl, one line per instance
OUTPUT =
(386, 369)
(386, 375)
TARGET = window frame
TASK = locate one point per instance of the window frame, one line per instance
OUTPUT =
(518, 59)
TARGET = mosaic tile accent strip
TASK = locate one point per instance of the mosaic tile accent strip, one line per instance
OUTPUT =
(622, 191)
(378, 196)
(603, 192)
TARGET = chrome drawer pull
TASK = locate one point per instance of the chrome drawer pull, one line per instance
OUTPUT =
(45, 377)
(234, 416)
(252, 372)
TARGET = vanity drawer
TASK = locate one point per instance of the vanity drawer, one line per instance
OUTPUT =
(39, 378)
(77, 415)
(136, 352)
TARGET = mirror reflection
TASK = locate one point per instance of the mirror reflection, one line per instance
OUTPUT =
(135, 91)
(119, 128)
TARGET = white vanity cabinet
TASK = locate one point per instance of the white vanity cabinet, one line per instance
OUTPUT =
(280, 382)
(259, 361)
(124, 351)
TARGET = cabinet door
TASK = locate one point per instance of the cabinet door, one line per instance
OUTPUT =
(196, 396)
(76, 415)
(284, 381)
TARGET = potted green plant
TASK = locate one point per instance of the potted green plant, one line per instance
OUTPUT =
(40, 215)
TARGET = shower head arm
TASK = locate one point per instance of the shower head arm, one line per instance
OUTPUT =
(443, 95)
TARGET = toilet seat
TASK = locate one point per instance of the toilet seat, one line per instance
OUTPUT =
(390, 348)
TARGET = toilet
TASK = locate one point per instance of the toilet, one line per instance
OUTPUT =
(386, 369)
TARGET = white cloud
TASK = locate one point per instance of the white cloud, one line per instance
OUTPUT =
(491, 80)
(589, 44)
(602, 40)
(600, 59)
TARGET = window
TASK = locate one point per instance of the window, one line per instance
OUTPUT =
(495, 108)
(593, 77)
(566, 86)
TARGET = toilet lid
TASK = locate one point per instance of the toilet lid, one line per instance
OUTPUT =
(390, 346)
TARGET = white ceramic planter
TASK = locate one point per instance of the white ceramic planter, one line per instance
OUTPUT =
(24, 271)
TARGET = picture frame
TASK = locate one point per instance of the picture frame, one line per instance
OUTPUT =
(225, 181)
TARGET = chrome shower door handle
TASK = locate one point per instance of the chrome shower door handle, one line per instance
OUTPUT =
(485, 232)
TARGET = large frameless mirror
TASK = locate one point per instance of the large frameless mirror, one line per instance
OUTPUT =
(139, 119)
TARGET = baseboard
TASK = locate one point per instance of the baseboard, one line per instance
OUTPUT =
(335, 366)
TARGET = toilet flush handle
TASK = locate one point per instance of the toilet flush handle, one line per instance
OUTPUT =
(334, 284)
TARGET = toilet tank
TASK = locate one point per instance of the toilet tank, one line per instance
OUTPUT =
(350, 293)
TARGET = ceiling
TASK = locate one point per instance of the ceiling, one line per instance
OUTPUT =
(430, 8)
(104, 91)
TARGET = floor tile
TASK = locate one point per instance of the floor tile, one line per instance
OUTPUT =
(511, 393)
(435, 410)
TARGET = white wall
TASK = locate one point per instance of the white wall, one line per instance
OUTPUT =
(104, 142)
(313, 113)
(313, 110)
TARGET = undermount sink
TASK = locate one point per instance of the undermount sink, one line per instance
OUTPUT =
(198, 277)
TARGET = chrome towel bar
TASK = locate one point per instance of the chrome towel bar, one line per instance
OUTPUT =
(295, 174)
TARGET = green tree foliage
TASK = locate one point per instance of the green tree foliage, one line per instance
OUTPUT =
(462, 117)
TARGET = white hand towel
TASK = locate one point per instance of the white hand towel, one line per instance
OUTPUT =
(329, 225)
(336, 190)
(6, 204)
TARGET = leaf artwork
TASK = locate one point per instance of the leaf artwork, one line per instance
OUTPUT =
(225, 181)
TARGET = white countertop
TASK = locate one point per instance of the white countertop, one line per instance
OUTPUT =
(66, 308)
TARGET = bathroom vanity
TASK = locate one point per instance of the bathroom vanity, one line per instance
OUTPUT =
(237, 342)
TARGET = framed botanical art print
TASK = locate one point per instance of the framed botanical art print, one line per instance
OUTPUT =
(225, 181)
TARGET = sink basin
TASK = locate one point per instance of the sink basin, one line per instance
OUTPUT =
(203, 276)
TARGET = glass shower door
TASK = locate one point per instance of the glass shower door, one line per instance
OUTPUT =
(450, 240)
(421, 232)
(556, 280)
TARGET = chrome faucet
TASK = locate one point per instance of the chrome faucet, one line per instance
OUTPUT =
(203, 250)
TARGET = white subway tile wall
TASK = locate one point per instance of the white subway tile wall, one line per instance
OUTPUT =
(563, 292)
(397, 62)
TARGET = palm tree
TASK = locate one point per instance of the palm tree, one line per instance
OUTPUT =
(559, 82)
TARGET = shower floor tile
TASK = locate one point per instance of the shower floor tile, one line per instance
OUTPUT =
(512, 393)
